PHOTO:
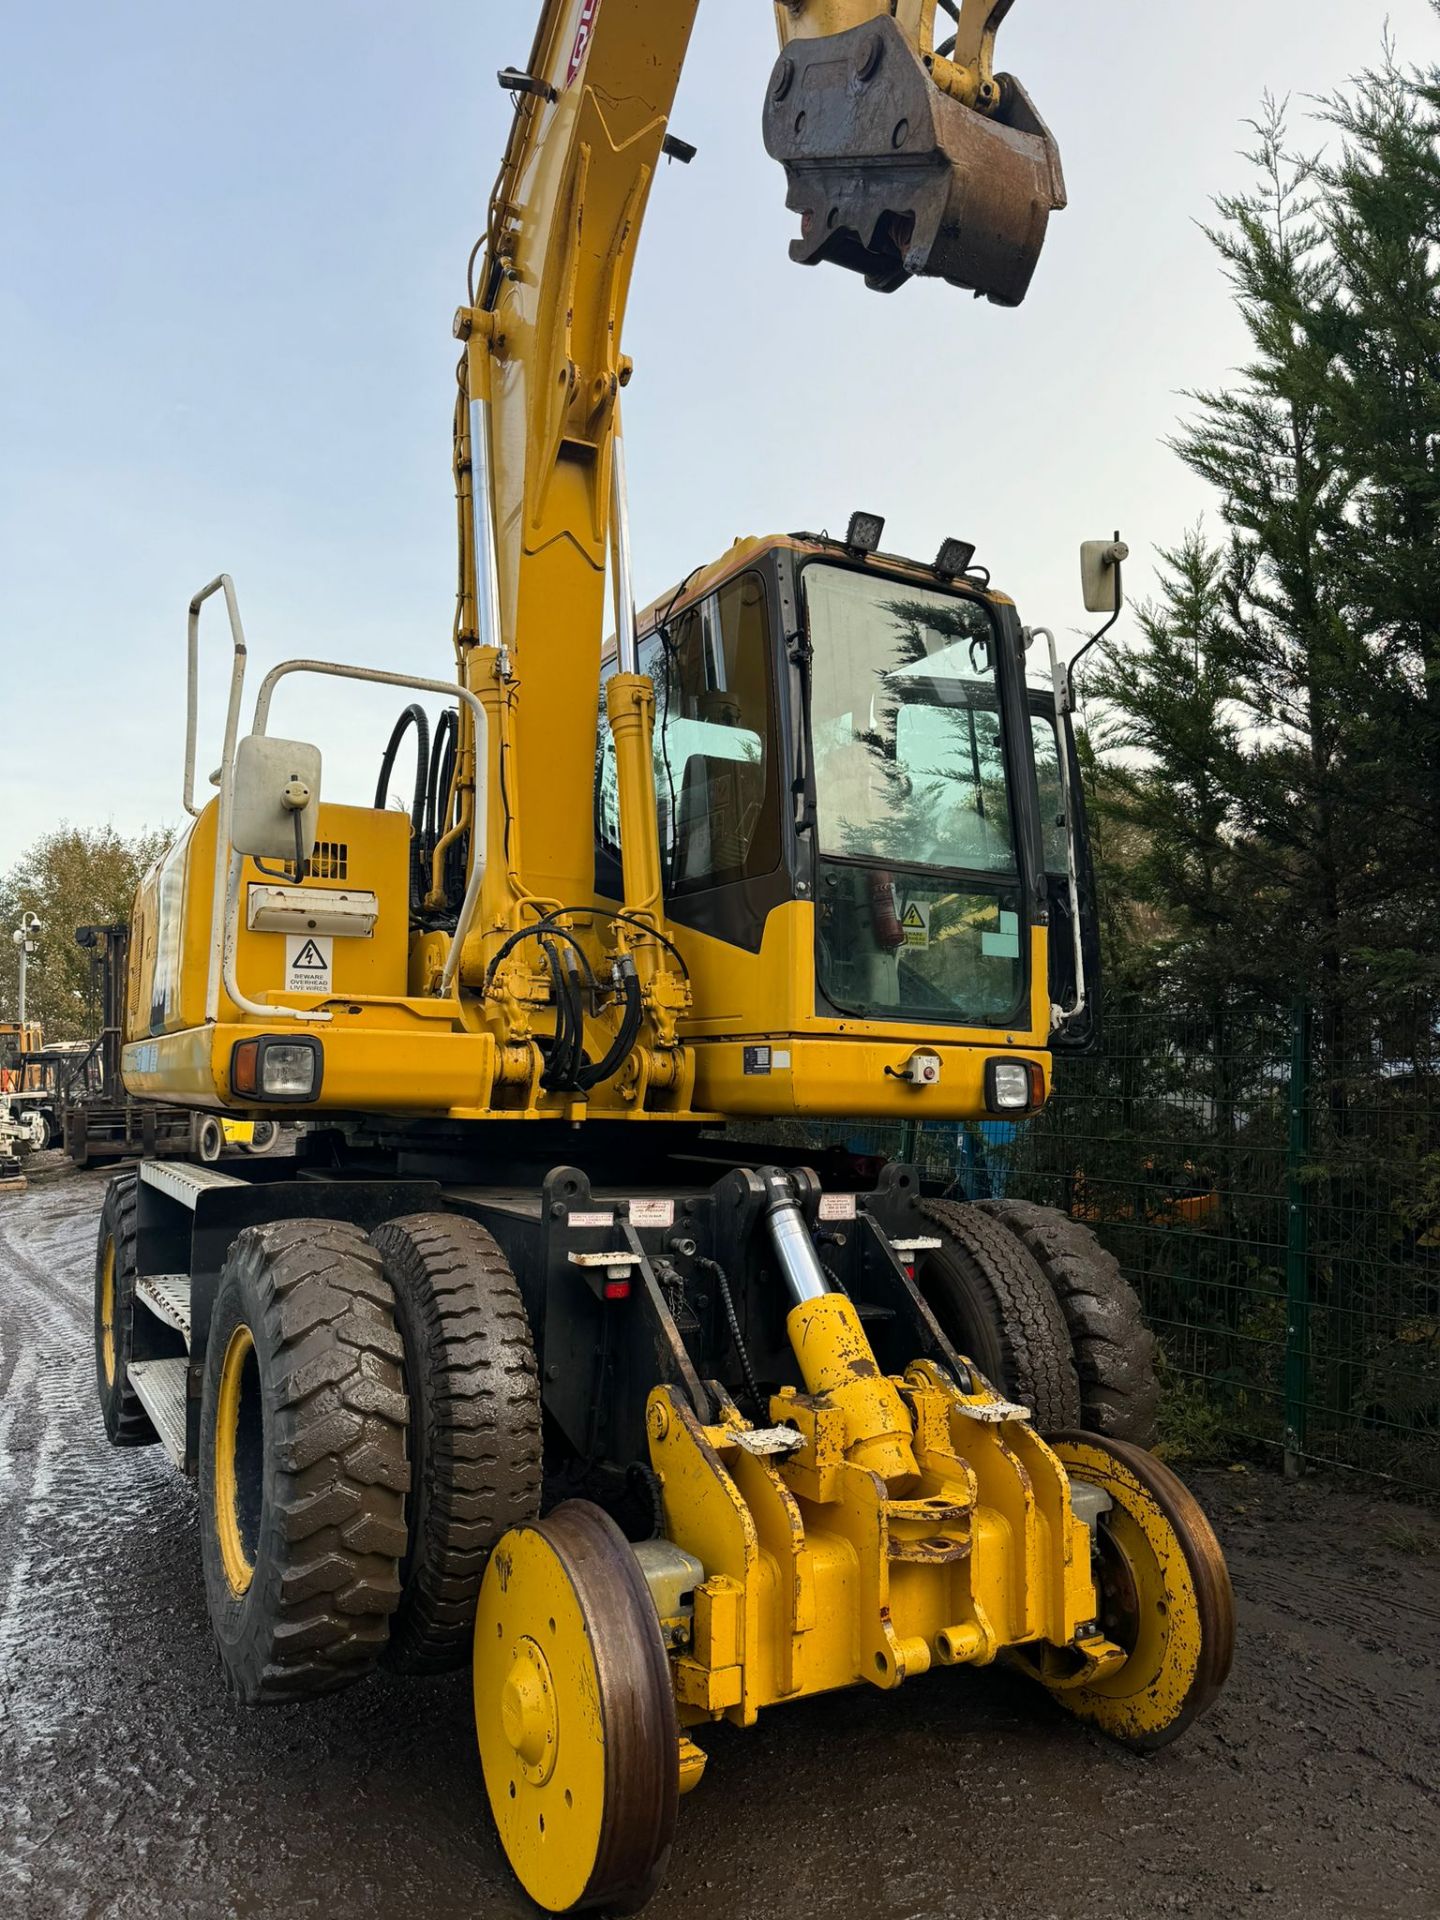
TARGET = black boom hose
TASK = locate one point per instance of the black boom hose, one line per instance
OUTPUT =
(413, 716)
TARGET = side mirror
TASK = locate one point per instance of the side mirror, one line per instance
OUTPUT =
(277, 783)
(1100, 564)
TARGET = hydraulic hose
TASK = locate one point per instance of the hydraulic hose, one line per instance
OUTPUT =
(413, 716)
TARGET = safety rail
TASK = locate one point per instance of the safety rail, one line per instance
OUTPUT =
(225, 894)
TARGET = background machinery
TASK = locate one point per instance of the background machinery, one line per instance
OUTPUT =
(528, 1358)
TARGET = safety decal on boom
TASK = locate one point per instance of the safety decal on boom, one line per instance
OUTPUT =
(583, 34)
(309, 963)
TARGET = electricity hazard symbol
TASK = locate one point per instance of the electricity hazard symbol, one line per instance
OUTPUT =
(916, 922)
(309, 963)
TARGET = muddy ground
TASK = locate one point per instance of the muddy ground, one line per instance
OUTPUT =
(131, 1786)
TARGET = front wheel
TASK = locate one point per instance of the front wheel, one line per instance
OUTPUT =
(996, 1309)
(1116, 1354)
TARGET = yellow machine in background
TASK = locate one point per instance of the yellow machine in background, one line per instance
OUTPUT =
(530, 1358)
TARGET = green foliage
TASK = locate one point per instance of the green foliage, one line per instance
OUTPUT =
(1192, 1426)
(1271, 740)
(71, 877)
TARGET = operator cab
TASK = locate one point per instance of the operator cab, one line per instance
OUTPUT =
(853, 732)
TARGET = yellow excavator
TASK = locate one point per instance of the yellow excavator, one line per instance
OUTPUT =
(531, 1357)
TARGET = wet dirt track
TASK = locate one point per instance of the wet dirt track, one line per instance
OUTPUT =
(131, 1786)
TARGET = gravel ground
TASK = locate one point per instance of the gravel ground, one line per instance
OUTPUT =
(131, 1786)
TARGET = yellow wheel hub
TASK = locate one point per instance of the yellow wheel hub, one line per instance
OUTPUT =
(107, 1312)
(574, 1712)
(237, 1499)
(1165, 1597)
(528, 1713)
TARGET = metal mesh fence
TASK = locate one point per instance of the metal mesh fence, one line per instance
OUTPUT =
(1272, 1190)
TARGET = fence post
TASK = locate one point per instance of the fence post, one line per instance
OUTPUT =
(1297, 1244)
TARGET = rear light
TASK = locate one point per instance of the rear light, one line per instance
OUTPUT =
(617, 1289)
(270, 1067)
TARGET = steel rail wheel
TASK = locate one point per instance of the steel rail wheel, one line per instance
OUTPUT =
(575, 1713)
(1165, 1597)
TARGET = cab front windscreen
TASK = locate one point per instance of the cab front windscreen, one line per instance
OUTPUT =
(920, 904)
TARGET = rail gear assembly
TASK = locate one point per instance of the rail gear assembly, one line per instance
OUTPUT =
(530, 1357)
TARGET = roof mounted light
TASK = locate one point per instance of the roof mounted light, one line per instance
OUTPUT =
(953, 560)
(864, 532)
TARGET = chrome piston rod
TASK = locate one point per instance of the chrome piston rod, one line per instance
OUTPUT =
(805, 1279)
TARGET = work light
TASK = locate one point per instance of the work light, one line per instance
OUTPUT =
(864, 531)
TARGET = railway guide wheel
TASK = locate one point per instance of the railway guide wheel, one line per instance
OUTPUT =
(1165, 1597)
(575, 1713)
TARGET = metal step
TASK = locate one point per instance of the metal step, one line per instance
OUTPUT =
(167, 1295)
(160, 1385)
(183, 1182)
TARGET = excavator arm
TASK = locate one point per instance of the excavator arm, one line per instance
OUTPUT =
(905, 155)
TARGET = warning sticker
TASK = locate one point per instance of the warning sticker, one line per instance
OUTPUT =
(584, 33)
(652, 1213)
(309, 963)
(916, 922)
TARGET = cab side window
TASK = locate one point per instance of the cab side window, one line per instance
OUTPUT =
(716, 760)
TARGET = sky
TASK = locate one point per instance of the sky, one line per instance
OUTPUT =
(232, 241)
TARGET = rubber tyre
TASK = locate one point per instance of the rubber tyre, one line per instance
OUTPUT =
(126, 1422)
(474, 1389)
(996, 1308)
(209, 1138)
(327, 1448)
(267, 1137)
(1116, 1354)
(45, 1139)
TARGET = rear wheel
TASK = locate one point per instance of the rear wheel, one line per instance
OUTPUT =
(474, 1392)
(996, 1309)
(575, 1714)
(126, 1422)
(264, 1137)
(1116, 1354)
(208, 1138)
(302, 1460)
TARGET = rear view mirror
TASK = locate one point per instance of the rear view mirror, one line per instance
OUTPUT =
(1100, 564)
(277, 786)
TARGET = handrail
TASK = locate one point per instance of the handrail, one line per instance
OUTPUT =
(222, 583)
(447, 689)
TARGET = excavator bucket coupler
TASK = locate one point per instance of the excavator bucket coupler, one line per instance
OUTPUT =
(894, 178)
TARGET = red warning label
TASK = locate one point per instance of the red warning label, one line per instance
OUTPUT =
(583, 36)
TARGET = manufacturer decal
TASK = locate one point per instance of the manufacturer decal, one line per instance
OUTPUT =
(837, 1206)
(584, 34)
(757, 1060)
(309, 963)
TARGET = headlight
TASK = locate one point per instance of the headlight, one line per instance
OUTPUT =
(1011, 1086)
(271, 1068)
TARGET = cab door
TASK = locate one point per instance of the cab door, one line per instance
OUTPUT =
(1082, 1034)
